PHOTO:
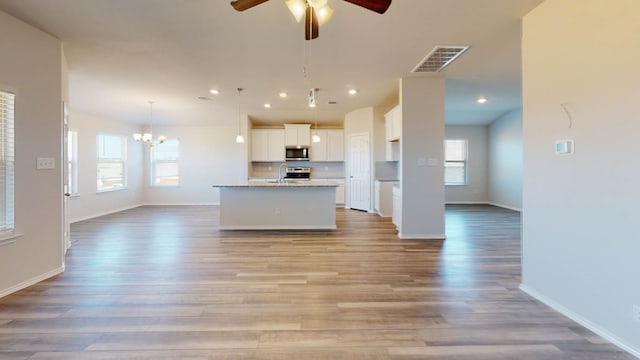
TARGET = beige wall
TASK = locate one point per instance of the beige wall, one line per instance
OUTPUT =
(505, 161)
(32, 65)
(89, 203)
(422, 102)
(581, 238)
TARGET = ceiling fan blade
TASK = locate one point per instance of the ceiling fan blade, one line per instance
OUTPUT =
(242, 5)
(379, 6)
(310, 24)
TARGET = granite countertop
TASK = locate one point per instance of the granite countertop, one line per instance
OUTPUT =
(281, 184)
(386, 179)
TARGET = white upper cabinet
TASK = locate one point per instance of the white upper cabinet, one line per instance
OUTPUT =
(267, 145)
(330, 147)
(297, 134)
(393, 124)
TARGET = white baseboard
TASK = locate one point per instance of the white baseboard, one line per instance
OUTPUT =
(277, 227)
(32, 281)
(466, 202)
(179, 204)
(581, 320)
(93, 216)
(505, 206)
(422, 236)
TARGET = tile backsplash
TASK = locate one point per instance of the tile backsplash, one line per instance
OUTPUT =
(319, 170)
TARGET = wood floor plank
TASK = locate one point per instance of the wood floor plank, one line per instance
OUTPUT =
(165, 283)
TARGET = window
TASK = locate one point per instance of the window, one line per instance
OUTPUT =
(164, 164)
(455, 162)
(7, 163)
(72, 162)
(111, 162)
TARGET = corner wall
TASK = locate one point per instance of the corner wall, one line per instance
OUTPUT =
(90, 203)
(505, 161)
(581, 238)
(32, 66)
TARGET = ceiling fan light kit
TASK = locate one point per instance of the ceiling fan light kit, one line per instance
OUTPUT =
(315, 12)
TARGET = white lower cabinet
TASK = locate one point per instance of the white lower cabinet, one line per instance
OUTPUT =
(339, 189)
(384, 197)
(397, 207)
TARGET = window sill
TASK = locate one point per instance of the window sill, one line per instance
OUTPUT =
(9, 238)
(164, 186)
(112, 190)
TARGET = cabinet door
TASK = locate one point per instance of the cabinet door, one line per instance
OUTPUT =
(319, 149)
(304, 135)
(393, 124)
(297, 134)
(339, 191)
(276, 145)
(335, 145)
(259, 145)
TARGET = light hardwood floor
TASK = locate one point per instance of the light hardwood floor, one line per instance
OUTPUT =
(165, 283)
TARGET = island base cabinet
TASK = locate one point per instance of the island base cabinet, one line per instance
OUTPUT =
(277, 207)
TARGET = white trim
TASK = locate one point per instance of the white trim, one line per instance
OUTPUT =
(505, 206)
(581, 320)
(32, 281)
(178, 204)
(104, 213)
(466, 203)
(422, 236)
(277, 227)
(7, 239)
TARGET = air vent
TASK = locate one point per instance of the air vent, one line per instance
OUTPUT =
(439, 58)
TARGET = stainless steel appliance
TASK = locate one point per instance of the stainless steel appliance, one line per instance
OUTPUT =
(296, 154)
(298, 173)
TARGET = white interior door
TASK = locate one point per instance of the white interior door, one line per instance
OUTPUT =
(65, 178)
(359, 172)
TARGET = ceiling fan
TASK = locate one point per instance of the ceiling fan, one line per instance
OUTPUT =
(311, 8)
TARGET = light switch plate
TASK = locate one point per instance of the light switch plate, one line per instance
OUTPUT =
(45, 163)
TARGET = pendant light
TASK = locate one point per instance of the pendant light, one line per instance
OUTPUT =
(147, 138)
(315, 138)
(239, 138)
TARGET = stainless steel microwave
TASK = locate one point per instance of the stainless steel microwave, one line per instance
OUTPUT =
(296, 154)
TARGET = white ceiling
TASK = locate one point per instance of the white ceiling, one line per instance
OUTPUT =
(123, 53)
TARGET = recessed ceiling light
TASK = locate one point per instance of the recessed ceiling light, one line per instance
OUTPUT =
(481, 100)
(214, 91)
(267, 105)
(283, 95)
(353, 91)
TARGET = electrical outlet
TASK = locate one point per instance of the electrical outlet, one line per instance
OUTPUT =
(636, 313)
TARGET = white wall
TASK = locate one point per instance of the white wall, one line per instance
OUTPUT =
(208, 155)
(581, 237)
(90, 203)
(505, 161)
(32, 66)
(422, 102)
(476, 189)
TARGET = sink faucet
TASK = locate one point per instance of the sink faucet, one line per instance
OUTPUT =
(280, 178)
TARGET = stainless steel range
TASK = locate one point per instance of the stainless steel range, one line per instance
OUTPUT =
(298, 173)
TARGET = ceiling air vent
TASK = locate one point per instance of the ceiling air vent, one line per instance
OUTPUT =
(439, 58)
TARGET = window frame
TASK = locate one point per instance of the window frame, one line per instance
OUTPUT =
(154, 162)
(7, 165)
(464, 162)
(72, 162)
(116, 160)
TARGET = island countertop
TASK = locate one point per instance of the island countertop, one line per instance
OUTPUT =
(304, 184)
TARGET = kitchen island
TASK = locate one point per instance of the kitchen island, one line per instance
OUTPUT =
(272, 205)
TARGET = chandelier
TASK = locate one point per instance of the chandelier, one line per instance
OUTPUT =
(147, 137)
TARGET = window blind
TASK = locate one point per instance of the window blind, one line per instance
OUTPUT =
(7, 162)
